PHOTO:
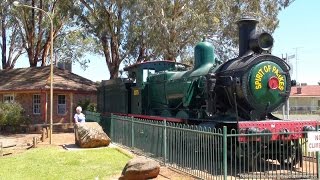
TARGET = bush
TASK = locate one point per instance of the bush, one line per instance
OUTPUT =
(11, 114)
(87, 105)
(92, 107)
(3, 119)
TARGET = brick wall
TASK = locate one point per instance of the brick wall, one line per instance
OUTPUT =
(26, 101)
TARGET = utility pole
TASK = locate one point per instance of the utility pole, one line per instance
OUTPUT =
(18, 4)
(287, 101)
(296, 54)
(285, 107)
(297, 64)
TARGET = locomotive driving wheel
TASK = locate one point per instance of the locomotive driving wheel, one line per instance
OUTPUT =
(249, 157)
(290, 154)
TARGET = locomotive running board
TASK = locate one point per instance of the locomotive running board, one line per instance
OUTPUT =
(279, 129)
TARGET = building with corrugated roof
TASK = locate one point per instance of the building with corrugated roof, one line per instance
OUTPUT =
(31, 88)
(305, 99)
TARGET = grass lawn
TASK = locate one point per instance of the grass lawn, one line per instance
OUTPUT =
(56, 163)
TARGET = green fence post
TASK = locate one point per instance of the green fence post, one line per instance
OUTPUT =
(164, 141)
(225, 147)
(111, 126)
(318, 158)
(132, 131)
(318, 165)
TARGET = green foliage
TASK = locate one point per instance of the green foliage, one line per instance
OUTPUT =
(10, 38)
(134, 30)
(87, 105)
(36, 36)
(74, 47)
(11, 114)
(54, 163)
(105, 22)
(176, 26)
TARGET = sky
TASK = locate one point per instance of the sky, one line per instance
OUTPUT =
(298, 36)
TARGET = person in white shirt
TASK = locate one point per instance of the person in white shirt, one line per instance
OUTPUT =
(79, 117)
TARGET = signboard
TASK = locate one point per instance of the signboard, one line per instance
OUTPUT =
(136, 92)
(313, 141)
(291, 56)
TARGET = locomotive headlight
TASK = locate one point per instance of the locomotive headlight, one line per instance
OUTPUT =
(261, 42)
(265, 41)
(273, 83)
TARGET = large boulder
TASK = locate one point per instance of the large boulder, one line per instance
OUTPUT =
(90, 135)
(140, 168)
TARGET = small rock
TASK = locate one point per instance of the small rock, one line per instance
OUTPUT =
(140, 168)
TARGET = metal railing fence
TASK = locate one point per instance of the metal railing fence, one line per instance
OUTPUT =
(92, 116)
(215, 153)
(176, 145)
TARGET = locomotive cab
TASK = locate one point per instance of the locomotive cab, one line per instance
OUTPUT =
(130, 94)
(140, 73)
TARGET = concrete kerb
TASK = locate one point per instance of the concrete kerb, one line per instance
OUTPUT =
(74, 147)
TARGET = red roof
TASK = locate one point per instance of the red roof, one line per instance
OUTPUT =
(309, 90)
(36, 78)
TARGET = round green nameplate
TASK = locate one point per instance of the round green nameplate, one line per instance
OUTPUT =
(266, 83)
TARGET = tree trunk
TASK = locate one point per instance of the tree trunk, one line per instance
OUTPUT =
(4, 41)
(114, 69)
(142, 53)
(113, 61)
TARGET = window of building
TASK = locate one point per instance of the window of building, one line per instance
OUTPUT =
(61, 104)
(8, 98)
(36, 104)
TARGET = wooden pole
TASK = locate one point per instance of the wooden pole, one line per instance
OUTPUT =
(47, 129)
(34, 142)
(43, 134)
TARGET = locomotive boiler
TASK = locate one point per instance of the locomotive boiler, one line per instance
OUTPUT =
(240, 93)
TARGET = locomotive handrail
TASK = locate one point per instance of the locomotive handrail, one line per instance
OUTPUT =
(156, 118)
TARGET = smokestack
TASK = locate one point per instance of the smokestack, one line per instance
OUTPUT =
(247, 29)
(299, 90)
(65, 65)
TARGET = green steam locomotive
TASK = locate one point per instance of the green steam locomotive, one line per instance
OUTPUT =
(240, 93)
(248, 87)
